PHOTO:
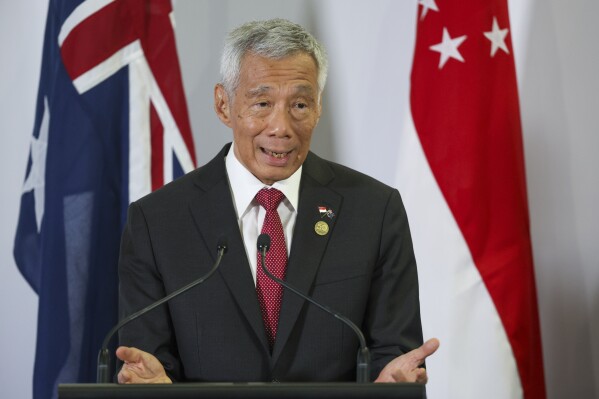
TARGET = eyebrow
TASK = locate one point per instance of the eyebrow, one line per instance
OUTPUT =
(257, 91)
(305, 89)
(260, 90)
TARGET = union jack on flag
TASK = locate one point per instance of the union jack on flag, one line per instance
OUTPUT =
(111, 125)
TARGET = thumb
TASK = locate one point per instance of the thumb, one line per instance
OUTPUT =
(128, 354)
(427, 349)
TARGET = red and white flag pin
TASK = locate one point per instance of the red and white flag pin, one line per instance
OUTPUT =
(324, 211)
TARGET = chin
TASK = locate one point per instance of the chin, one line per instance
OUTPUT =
(275, 177)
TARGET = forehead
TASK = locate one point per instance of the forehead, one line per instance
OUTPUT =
(259, 72)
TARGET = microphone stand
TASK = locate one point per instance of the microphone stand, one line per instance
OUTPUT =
(363, 357)
(102, 376)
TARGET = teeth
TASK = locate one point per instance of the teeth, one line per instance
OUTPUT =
(277, 154)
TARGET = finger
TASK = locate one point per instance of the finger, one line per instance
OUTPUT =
(431, 346)
(124, 377)
(421, 376)
(384, 377)
(427, 349)
(129, 354)
(132, 373)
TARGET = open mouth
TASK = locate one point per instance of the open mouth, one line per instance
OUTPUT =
(279, 155)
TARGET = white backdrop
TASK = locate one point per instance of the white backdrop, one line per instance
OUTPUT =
(366, 100)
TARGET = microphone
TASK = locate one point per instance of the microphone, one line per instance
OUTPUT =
(363, 357)
(103, 372)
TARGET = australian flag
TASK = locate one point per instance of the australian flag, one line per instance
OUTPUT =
(111, 125)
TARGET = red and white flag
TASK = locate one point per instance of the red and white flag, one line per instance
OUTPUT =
(462, 175)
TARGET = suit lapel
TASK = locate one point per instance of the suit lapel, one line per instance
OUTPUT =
(214, 215)
(308, 247)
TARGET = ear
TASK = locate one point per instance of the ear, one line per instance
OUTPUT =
(221, 104)
(318, 109)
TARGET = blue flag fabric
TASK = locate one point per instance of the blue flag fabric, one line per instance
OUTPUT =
(74, 201)
(69, 226)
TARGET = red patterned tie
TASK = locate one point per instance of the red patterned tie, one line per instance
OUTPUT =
(269, 292)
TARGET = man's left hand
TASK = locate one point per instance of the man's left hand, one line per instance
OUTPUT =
(406, 368)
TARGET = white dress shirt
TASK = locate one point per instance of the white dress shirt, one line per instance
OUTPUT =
(250, 215)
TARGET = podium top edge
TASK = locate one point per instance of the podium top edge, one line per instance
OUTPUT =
(252, 390)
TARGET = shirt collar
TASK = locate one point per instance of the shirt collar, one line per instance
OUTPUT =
(244, 185)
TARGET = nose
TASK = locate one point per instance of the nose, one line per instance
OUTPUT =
(279, 123)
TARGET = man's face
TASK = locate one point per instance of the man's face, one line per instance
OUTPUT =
(273, 113)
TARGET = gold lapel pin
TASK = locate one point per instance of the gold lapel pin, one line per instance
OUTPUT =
(321, 228)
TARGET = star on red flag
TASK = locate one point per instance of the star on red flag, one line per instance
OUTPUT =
(427, 5)
(497, 38)
(448, 48)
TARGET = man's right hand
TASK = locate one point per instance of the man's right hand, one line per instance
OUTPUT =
(140, 367)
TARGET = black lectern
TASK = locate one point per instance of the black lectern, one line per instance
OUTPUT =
(243, 391)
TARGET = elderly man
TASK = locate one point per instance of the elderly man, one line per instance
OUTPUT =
(337, 235)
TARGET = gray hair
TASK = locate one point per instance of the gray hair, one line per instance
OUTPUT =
(275, 38)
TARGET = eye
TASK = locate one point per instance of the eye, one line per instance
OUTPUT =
(301, 105)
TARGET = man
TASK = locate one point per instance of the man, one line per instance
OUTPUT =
(337, 235)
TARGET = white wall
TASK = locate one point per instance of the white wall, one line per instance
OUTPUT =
(370, 46)
(559, 92)
(21, 37)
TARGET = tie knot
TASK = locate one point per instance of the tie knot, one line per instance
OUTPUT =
(269, 198)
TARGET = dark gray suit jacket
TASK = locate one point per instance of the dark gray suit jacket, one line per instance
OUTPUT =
(363, 268)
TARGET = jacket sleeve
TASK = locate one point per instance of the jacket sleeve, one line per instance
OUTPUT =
(140, 284)
(392, 320)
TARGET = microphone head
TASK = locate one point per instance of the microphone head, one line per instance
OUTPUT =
(222, 244)
(263, 242)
